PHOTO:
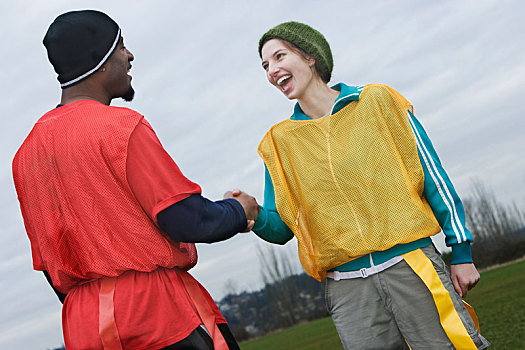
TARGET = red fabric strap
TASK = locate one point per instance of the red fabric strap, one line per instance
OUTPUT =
(107, 327)
(206, 314)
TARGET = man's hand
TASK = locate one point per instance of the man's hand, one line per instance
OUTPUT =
(249, 204)
(464, 277)
(249, 226)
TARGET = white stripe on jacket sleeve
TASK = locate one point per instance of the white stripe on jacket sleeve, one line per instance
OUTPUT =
(440, 183)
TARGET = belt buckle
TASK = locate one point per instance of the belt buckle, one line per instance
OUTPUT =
(337, 275)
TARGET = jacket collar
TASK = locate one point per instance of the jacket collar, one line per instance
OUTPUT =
(347, 94)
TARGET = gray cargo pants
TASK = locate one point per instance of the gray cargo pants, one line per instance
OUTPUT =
(394, 309)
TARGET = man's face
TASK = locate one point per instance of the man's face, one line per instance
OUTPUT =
(118, 66)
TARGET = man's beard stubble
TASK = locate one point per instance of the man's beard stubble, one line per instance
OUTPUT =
(128, 96)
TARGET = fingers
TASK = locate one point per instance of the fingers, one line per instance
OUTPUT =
(468, 285)
(457, 286)
(251, 208)
(231, 194)
(464, 277)
(249, 226)
(249, 203)
(473, 284)
(464, 289)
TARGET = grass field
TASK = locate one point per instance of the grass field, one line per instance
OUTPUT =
(318, 334)
(499, 300)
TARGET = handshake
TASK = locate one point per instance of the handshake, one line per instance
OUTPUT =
(249, 204)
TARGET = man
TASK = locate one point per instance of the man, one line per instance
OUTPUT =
(111, 219)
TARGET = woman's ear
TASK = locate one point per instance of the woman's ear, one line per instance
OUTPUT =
(311, 61)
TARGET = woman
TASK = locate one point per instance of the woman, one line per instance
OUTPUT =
(353, 176)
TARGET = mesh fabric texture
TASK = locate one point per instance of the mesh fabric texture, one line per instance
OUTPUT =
(351, 183)
(80, 214)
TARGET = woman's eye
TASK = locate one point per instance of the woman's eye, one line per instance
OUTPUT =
(279, 56)
(265, 66)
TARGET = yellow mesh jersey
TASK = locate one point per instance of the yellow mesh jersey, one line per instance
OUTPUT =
(350, 183)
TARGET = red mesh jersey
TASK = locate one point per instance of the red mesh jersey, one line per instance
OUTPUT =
(80, 214)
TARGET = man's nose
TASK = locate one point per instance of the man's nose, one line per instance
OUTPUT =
(130, 55)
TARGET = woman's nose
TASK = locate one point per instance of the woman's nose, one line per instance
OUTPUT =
(273, 69)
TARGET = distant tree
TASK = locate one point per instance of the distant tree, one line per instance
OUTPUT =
(291, 299)
(275, 263)
(231, 287)
(498, 229)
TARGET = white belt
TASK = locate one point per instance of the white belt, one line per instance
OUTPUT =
(364, 272)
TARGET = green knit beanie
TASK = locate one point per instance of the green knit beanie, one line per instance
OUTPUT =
(307, 39)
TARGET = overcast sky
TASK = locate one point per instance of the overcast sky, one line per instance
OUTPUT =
(200, 84)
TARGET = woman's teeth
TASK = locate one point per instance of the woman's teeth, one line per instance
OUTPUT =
(282, 80)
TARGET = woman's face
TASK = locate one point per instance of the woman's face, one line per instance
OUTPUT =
(287, 69)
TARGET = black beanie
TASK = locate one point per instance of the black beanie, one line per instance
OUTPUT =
(78, 43)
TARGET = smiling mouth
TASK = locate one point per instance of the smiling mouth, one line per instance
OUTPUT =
(283, 80)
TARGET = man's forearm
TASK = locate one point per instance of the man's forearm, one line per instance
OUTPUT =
(199, 220)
